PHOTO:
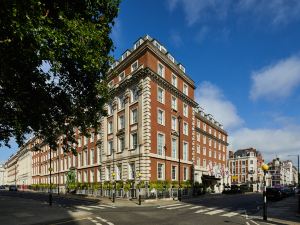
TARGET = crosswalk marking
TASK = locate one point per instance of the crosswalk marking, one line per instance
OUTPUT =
(97, 207)
(196, 207)
(104, 220)
(233, 213)
(215, 212)
(204, 210)
(166, 206)
(178, 207)
(83, 207)
(109, 206)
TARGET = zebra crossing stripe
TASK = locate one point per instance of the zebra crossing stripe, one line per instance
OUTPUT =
(233, 213)
(166, 206)
(196, 207)
(104, 220)
(178, 207)
(109, 206)
(215, 212)
(204, 210)
(83, 207)
(96, 207)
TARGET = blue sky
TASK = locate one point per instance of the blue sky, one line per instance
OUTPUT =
(244, 56)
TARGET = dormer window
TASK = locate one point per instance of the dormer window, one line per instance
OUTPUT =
(171, 57)
(122, 76)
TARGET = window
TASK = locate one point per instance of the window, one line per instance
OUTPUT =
(198, 123)
(209, 130)
(215, 144)
(92, 176)
(107, 173)
(185, 89)
(223, 157)
(134, 116)
(204, 140)
(209, 142)
(204, 151)
(185, 151)
(121, 122)
(204, 126)
(110, 127)
(219, 156)
(198, 137)
(110, 84)
(99, 155)
(110, 148)
(85, 176)
(119, 172)
(209, 153)
(198, 149)
(243, 163)
(79, 161)
(134, 140)
(86, 159)
(174, 103)
(85, 140)
(121, 76)
(134, 94)
(204, 163)
(160, 95)
(174, 148)
(251, 161)
(92, 137)
(185, 110)
(121, 144)
(243, 170)
(160, 143)
(160, 69)
(134, 66)
(185, 129)
(185, 173)
(92, 158)
(174, 123)
(121, 102)
(99, 175)
(160, 117)
(160, 171)
(131, 171)
(173, 172)
(219, 146)
(174, 80)
(110, 109)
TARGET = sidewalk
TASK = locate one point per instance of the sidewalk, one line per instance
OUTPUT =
(282, 212)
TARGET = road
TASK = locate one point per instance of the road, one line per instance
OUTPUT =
(32, 208)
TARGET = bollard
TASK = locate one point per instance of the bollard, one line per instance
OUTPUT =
(140, 199)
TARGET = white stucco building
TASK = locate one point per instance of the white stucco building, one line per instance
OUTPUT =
(2, 175)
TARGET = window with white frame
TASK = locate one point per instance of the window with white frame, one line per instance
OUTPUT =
(121, 122)
(134, 116)
(92, 176)
(85, 140)
(174, 80)
(173, 172)
(204, 163)
(174, 123)
(223, 156)
(204, 139)
(215, 154)
(85, 176)
(134, 94)
(219, 146)
(79, 177)
(219, 156)
(110, 109)
(121, 76)
(174, 102)
(185, 128)
(161, 95)
(160, 143)
(198, 149)
(79, 161)
(131, 171)
(109, 147)
(99, 174)
(92, 138)
(185, 110)
(92, 158)
(107, 173)
(110, 127)
(160, 117)
(134, 139)
(209, 153)
(198, 161)
(119, 172)
(174, 148)
(204, 126)
(185, 151)
(86, 158)
(134, 66)
(122, 102)
(198, 123)
(185, 89)
(209, 142)
(160, 69)
(121, 141)
(209, 130)
(160, 171)
(185, 173)
(215, 144)
(198, 136)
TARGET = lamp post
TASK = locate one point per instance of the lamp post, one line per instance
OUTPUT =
(113, 175)
(265, 168)
(179, 130)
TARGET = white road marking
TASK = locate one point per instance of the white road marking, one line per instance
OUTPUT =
(247, 223)
(97, 207)
(178, 207)
(233, 213)
(109, 206)
(104, 220)
(166, 206)
(196, 207)
(254, 222)
(83, 207)
(215, 212)
(204, 210)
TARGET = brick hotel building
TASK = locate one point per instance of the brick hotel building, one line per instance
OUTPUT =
(140, 138)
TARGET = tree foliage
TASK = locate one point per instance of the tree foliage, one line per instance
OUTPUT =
(53, 59)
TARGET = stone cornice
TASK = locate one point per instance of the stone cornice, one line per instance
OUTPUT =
(203, 119)
(211, 136)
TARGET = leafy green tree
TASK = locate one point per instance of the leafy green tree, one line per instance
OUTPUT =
(53, 59)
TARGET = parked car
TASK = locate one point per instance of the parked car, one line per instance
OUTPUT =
(287, 191)
(2, 187)
(13, 188)
(234, 189)
(274, 193)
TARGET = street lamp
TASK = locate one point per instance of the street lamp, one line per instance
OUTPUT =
(265, 168)
(179, 118)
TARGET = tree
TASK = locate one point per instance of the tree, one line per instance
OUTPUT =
(53, 59)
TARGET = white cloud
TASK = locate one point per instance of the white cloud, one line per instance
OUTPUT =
(176, 39)
(202, 34)
(277, 80)
(279, 142)
(211, 98)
